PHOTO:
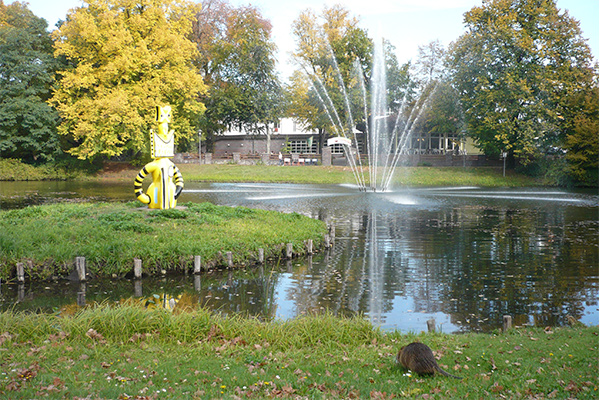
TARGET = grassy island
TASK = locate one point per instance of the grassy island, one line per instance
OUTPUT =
(128, 352)
(110, 235)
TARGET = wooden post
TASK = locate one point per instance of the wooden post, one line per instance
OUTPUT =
(229, 256)
(431, 325)
(137, 288)
(80, 267)
(20, 272)
(81, 299)
(289, 251)
(21, 292)
(261, 255)
(309, 246)
(506, 323)
(327, 241)
(137, 268)
(197, 264)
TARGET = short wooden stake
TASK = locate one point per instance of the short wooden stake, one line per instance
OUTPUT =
(80, 267)
(81, 299)
(197, 264)
(261, 255)
(506, 323)
(197, 283)
(229, 256)
(309, 246)
(431, 325)
(289, 250)
(20, 272)
(137, 288)
(137, 268)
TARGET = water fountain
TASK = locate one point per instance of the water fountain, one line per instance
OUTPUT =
(384, 143)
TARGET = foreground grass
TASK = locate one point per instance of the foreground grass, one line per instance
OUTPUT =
(111, 235)
(404, 176)
(129, 352)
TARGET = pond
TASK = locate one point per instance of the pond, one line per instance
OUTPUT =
(465, 256)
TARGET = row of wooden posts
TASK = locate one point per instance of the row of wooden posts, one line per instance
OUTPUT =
(137, 263)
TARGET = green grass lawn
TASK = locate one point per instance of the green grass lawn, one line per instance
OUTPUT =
(110, 235)
(128, 352)
(404, 176)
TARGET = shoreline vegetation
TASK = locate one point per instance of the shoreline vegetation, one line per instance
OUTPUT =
(14, 170)
(48, 238)
(128, 352)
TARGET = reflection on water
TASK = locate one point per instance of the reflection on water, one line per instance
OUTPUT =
(464, 256)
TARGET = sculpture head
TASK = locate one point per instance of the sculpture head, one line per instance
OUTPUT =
(163, 117)
(162, 142)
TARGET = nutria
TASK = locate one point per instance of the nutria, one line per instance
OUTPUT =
(418, 358)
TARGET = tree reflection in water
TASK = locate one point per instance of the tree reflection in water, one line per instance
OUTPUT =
(463, 256)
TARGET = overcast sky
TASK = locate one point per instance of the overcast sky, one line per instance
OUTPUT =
(407, 24)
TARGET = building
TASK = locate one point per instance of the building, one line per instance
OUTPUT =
(290, 136)
(286, 135)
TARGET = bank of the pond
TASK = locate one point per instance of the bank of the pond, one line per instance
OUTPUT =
(404, 176)
(15, 170)
(128, 352)
(46, 239)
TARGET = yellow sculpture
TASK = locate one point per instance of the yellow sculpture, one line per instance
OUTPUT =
(162, 192)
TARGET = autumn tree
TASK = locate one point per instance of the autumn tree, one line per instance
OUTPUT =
(516, 69)
(581, 141)
(237, 60)
(334, 54)
(126, 57)
(27, 122)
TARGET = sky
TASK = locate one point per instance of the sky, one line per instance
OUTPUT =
(407, 24)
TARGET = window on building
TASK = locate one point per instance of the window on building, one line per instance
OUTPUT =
(337, 148)
(301, 146)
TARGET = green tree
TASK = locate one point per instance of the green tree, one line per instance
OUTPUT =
(515, 70)
(582, 138)
(237, 60)
(126, 57)
(443, 113)
(27, 122)
(335, 56)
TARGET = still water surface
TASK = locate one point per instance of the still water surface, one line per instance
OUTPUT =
(465, 256)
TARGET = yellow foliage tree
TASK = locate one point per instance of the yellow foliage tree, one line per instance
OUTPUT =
(125, 57)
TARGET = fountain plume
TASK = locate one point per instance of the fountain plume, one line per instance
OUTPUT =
(384, 146)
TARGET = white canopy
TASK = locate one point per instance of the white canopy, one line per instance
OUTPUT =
(339, 139)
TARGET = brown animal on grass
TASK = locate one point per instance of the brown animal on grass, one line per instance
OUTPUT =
(419, 358)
